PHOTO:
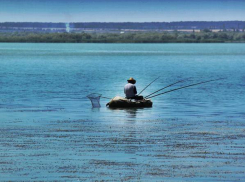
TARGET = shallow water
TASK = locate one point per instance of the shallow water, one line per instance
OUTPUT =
(50, 132)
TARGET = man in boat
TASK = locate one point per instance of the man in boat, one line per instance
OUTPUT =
(130, 90)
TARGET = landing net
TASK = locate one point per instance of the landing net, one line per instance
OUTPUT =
(95, 99)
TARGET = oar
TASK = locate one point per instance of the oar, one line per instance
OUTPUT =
(185, 87)
(148, 85)
(165, 87)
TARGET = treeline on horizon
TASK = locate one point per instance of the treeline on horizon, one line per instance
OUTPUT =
(132, 25)
(205, 36)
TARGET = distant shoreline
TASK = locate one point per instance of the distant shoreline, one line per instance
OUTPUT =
(205, 36)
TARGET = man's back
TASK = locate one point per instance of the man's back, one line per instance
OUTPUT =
(130, 90)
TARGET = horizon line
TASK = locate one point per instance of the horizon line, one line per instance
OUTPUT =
(123, 21)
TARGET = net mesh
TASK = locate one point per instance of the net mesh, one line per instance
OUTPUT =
(95, 99)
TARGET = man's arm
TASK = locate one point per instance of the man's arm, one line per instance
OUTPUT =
(135, 90)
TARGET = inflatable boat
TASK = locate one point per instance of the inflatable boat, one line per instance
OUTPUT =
(120, 102)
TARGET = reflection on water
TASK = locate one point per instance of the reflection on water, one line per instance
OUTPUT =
(129, 112)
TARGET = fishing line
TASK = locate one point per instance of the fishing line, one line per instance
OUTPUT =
(185, 87)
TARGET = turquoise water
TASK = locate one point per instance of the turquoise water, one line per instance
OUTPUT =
(50, 131)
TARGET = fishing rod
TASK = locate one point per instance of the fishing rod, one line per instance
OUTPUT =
(185, 87)
(105, 97)
(148, 85)
(96, 95)
(165, 87)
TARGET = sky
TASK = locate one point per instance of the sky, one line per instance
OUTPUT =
(121, 10)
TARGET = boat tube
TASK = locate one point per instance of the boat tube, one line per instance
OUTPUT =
(120, 102)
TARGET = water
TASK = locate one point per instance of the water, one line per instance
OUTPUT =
(50, 132)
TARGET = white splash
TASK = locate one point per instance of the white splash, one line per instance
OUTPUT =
(68, 27)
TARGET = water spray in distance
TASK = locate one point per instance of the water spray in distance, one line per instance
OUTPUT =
(67, 27)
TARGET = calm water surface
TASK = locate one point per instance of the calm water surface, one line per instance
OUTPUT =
(50, 132)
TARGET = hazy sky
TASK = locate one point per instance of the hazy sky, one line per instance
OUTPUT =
(120, 10)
